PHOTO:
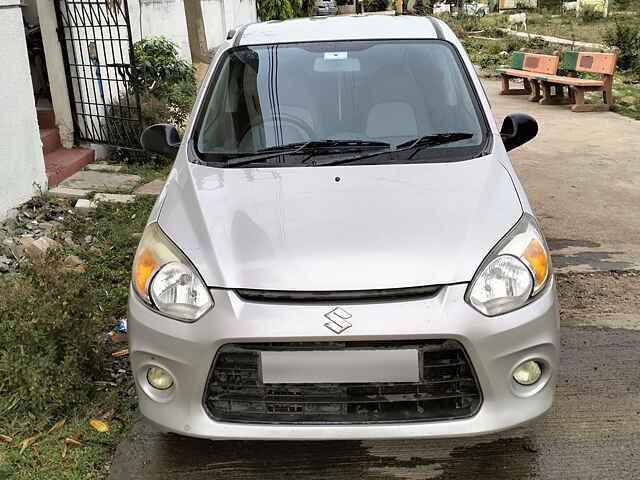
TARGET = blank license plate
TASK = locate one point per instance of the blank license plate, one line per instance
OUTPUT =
(340, 366)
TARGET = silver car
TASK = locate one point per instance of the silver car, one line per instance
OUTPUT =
(326, 7)
(342, 249)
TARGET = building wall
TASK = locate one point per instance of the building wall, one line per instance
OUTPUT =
(21, 161)
(166, 18)
(237, 13)
(160, 18)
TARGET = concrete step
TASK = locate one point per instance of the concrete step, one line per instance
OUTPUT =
(46, 117)
(63, 163)
(50, 140)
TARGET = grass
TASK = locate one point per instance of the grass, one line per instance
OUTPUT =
(148, 171)
(51, 318)
(568, 27)
(623, 93)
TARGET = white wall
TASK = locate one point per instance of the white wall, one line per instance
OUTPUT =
(239, 12)
(21, 161)
(215, 23)
(166, 18)
(160, 18)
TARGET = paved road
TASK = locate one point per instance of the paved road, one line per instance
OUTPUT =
(583, 179)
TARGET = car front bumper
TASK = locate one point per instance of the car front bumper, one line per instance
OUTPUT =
(495, 346)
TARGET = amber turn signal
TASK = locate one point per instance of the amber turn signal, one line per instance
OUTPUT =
(144, 266)
(536, 256)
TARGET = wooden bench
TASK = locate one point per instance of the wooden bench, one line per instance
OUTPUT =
(574, 63)
(529, 67)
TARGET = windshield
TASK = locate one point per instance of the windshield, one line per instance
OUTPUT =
(310, 99)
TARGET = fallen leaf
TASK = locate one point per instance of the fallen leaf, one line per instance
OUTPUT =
(72, 440)
(102, 382)
(24, 444)
(99, 425)
(58, 425)
(108, 415)
(120, 353)
(5, 438)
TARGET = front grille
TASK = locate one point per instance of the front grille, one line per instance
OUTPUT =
(448, 388)
(383, 294)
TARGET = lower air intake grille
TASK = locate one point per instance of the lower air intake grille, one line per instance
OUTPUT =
(447, 390)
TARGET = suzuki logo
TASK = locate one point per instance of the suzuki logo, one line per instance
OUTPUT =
(338, 320)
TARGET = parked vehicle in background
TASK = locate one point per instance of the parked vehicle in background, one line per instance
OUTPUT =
(326, 7)
(441, 8)
(450, 7)
(476, 8)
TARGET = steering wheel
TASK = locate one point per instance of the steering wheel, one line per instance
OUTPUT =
(301, 126)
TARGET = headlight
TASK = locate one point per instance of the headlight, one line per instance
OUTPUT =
(516, 270)
(165, 279)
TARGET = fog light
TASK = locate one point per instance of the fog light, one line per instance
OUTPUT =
(159, 378)
(528, 373)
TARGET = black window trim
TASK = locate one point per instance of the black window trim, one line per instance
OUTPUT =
(194, 156)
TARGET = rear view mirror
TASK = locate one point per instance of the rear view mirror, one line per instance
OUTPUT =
(517, 129)
(162, 139)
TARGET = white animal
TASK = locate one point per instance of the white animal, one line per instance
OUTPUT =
(569, 7)
(518, 19)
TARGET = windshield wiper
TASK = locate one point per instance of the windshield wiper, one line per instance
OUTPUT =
(314, 147)
(432, 141)
(418, 143)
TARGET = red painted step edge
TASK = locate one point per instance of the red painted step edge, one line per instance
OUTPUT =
(50, 140)
(46, 117)
(62, 163)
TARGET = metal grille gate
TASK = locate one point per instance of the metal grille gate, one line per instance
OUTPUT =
(97, 48)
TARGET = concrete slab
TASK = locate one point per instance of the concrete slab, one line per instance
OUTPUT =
(113, 198)
(84, 206)
(152, 188)
(102, 181)
(582, 176)
(104, 167)
(63, 192)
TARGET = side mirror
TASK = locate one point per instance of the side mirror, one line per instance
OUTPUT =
(517, 129)
(162, 139)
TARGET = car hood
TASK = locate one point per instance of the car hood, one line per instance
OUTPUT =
(339, 228)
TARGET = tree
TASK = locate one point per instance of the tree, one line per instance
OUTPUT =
(283, 9)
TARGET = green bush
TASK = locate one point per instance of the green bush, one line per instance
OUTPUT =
(590, 13)
(375, 5)
(164, 82)
(284, 9)
(626, 36)
(166, 87)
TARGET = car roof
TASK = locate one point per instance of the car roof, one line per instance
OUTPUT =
(341, 27)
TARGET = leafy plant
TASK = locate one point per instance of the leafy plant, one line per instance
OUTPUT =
(626, 36)
(375, 5)
(162, 78)
(166, 87)
(590, 13)
(284, 9)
